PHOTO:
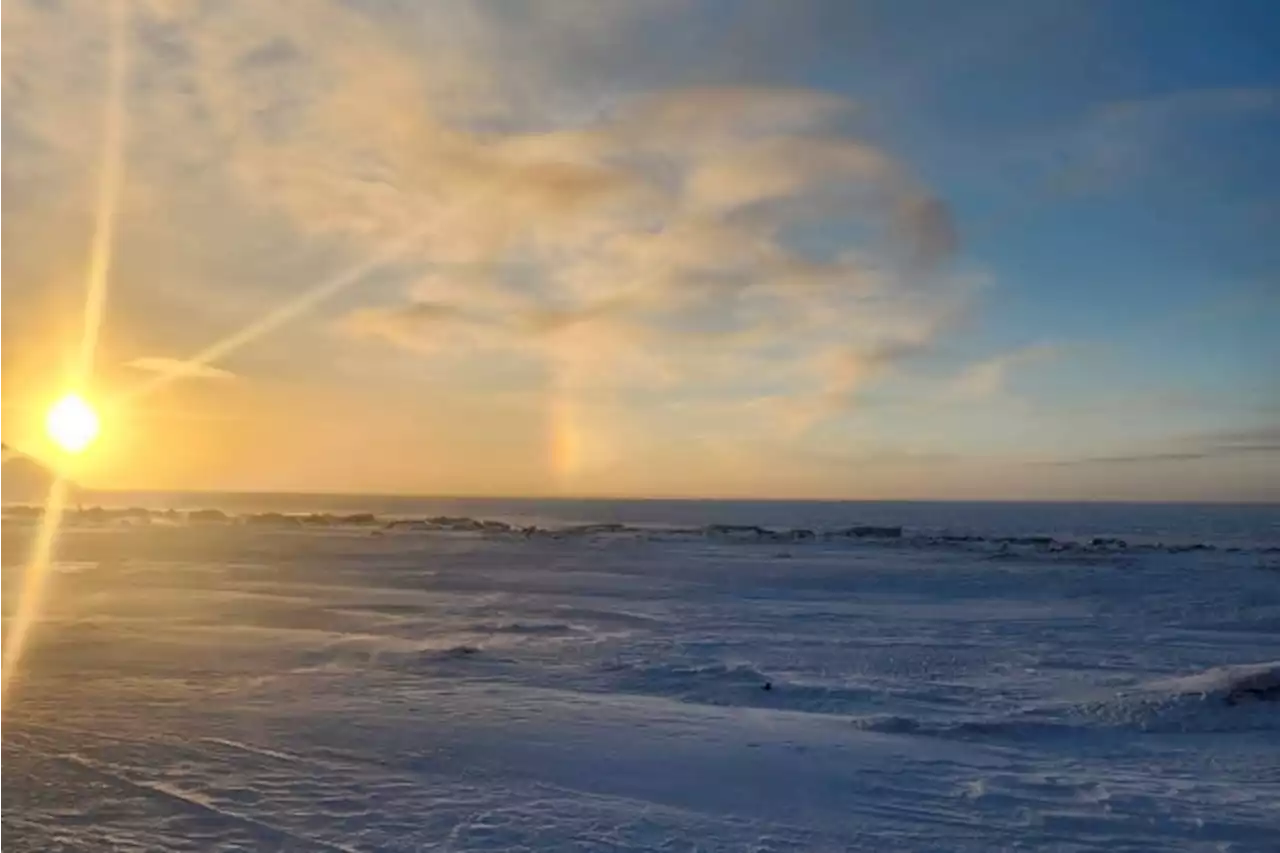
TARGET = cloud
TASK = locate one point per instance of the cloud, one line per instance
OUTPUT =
(1178, 134)
(1264, 440)
(1263, 437)
(1192, 104)
(685, 256)
(989, 378)
(1126, 459)
(418, 325)
(621, 226)
(929, 228)
(177, 367)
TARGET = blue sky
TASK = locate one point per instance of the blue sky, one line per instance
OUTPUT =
(811, 249)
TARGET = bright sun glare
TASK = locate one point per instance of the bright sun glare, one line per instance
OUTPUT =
(72, 423)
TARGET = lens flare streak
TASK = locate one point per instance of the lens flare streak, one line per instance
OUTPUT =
(110, 178)
(308, 299)
(278, 317)
(34, 582)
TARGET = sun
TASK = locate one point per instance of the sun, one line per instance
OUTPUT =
(72, 423)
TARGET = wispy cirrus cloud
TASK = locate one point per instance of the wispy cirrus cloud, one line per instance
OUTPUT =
(177, 366)
(1260, 441)
(1183, 132)
(340, 121)
(989, 378)
(667, 226)
(621, 232)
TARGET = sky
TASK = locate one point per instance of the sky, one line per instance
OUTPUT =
(1001, 249)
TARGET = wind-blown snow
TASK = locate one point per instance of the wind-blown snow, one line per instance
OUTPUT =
(443, 685)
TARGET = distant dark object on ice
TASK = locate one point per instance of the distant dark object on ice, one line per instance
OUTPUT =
(101, 515)
(273, 519)
(1195, 546)
(449, 522)
(863, 531)
(768, 685)
(748, 530)
(1038, 541)
(207, 515)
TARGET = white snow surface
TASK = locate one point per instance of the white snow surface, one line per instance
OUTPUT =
(238, 687)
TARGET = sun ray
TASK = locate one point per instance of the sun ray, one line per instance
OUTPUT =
(278, 317)
(312, 297)
(110, 178)
(34, 582)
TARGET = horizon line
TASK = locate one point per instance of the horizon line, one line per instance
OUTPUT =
(428, 496)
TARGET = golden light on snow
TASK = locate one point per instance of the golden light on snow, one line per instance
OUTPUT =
(72, 423)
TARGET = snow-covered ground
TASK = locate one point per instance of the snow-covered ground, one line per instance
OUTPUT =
(348, 687)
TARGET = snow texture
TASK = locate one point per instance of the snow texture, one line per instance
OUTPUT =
(355, 684)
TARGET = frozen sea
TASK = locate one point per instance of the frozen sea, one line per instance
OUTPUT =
(623, 676)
